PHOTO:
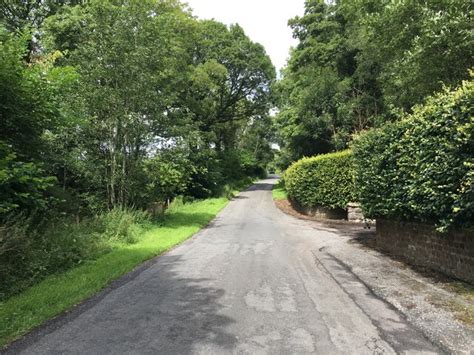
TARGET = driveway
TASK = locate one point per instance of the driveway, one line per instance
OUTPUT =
(255, 281)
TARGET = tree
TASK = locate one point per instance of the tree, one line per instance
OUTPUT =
(132, 58)
(28, 15)
(359, 64)
(167, 174)
(21, 14)
(230, 82)
(420, 45)
(112, 80)
(29, 110)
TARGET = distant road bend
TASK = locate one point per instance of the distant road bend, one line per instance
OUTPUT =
(255, 281)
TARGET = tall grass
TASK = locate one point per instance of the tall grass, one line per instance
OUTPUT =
(31, 250)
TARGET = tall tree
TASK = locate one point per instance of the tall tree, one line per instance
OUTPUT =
(16, 15)
(420, 45)
(132, 58)
(230, 82)
(359, 63)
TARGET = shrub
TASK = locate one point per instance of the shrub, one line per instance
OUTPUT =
(206, 177)
(22, 185)
(421, 168)
(123, 225)
(325, 180)
(32, 249)
(167, 175)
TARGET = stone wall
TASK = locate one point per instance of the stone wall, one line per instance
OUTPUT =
(320, 212)
(420, 244)
(354, 212)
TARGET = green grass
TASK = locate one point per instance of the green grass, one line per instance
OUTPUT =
(57, 293)
(279, 192)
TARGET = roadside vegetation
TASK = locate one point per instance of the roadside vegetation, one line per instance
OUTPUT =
(391, 82)
(61, 291)
(111, 113)
(420, 168)
(126, 126)
(325, 180)
(361, 64)
(279, 191)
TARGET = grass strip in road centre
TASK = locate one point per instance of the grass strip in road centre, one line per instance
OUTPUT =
(57, 293)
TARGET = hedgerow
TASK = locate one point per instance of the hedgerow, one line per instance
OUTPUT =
(422, 167)
(325, 180)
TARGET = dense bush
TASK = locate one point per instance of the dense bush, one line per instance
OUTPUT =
(31, 249)
(421, 168)
(167, 175)
(22, 185)
(325, 180)
(360, 62)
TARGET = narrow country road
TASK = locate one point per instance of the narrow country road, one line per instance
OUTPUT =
(255, 281)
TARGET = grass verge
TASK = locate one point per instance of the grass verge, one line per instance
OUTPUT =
(57, 293)
(279, 192)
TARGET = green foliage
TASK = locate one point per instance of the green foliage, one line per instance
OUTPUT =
(30, 95)
(219, 174)
(22, 185)
(325, 95)
(230, 81)
(165, 80)
(18, 15)
(123, 225)
(31, 109)
(167, 174)
(359, 63)
(138, 88)
(237, 165)
(109, 108)
(325, 180)
(57, 293)
(279, 191)
(31, 250)
(419, 45)
(206, 178)
(422, 167)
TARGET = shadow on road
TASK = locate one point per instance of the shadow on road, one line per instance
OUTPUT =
(260, 186)
(153, 309)
(179, 219)
(178, 313)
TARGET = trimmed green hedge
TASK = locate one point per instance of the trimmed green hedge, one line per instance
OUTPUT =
(325, 180)
(421, 168)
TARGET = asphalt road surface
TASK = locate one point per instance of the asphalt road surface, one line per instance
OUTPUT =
(255, 281)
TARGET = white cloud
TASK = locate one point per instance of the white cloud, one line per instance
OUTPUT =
(264, 21)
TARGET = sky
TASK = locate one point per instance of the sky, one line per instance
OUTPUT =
(264, 21)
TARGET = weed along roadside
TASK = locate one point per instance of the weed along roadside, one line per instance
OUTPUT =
(58, 293)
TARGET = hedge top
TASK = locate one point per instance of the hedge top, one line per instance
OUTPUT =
(324, 180)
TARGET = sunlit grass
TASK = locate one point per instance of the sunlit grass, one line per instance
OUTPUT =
(58, 293)
(279, 192)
